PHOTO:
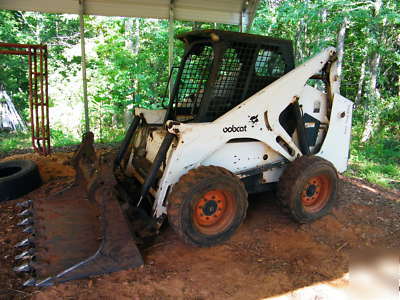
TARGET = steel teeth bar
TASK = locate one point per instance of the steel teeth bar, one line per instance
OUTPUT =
(24, 243)
(25, 213)
(25, 222)
(23, 268)
(30, 282)
(29, 229)
(25, 255)
(25, 204)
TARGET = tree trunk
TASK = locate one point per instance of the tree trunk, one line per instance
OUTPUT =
(340, 49)
(360, 84)
(373, 91)
(374, 94)
(132, 28)
(137, 37)
(398, 85)
(300, 36)
(324, 18)
(128, 31)
(136, 50)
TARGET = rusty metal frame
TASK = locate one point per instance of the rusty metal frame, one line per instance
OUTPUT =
(38, 92)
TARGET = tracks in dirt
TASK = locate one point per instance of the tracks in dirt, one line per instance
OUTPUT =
(270, 255)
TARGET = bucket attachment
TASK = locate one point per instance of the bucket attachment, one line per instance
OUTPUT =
(81, 230)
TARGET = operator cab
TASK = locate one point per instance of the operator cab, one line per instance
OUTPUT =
(221, 69)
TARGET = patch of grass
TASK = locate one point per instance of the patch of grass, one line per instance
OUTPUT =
(112, 136)
(10, 141)
(60, 139)
(377, 161)
(387, 175)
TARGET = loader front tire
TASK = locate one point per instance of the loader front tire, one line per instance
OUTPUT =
(307, 188)
(207, 205)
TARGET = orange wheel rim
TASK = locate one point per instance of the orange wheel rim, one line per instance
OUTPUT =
(316, 193)
(214, 211)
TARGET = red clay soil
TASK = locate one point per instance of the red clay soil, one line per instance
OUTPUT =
(270, 255)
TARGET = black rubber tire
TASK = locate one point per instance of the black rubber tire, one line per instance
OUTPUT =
(18, 178)
(190, 188)
(294, 180)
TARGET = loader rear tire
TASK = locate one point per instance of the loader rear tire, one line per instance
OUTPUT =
(207, 205)
(307, 188)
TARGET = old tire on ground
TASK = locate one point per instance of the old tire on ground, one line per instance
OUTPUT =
(17, 178)
(207, 205)
(307, 188)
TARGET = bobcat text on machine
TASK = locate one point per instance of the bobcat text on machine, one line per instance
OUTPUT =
(241, 119)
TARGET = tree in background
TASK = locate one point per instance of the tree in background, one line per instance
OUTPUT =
(128, 59)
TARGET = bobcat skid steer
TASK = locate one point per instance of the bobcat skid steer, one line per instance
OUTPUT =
(241, 119)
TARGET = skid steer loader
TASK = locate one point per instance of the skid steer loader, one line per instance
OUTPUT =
(241, 119)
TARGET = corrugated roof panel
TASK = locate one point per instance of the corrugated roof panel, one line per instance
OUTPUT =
(157, 9)
(222, 11)
(67, 6)
(218, 11)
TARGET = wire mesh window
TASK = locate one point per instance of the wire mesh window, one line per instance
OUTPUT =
(269, 66)
(269, 63)
(192, 83)
(243, 70)
(226, 84)
(228, 74)
(231, 79)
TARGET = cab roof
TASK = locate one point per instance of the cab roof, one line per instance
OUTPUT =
(231, 36)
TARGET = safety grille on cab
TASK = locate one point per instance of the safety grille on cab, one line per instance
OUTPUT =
(192, 83)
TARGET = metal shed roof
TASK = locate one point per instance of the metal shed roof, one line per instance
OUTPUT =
(218, 11)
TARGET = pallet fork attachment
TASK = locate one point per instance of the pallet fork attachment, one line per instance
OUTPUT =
(81, 230)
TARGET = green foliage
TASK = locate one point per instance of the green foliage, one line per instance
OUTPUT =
(127, 61)
(14, 141)
(59, 139)
(57, 31)
(313, 25)
(10, 142)
(377, 161)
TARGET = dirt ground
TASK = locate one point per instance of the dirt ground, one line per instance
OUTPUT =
(269, 256)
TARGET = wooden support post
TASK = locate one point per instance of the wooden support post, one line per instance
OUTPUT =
(83, 64)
